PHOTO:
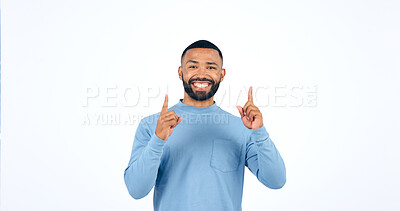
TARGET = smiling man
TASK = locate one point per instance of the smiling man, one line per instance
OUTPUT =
(197, 165)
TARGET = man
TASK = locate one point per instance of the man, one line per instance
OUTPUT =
(195, 153)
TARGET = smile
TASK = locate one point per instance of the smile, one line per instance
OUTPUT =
(201, 84)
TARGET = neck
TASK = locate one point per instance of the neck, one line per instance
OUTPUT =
(192, 102)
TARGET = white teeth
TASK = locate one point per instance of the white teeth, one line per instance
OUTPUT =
(200, 85)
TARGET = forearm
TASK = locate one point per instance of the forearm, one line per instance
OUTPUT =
(141, 173)
(271, 167)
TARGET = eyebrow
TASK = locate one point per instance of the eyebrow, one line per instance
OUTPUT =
(196, 62)
(193, 61)
(213, 63)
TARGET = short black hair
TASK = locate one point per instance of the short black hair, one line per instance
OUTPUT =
(202, 44)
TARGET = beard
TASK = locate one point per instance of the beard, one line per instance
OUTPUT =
(200, 95)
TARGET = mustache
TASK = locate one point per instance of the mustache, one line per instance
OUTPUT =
(201, 79)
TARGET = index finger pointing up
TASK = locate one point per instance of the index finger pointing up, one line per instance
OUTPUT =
(251, 94)
(165, 105)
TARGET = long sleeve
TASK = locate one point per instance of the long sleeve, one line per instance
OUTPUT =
(264, 160)
(141, 173)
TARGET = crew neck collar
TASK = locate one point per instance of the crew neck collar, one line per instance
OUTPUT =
(195, 109)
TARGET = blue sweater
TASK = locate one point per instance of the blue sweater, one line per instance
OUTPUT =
(201, 166)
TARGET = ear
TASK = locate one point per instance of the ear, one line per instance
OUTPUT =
(180, 73)
(222, 74)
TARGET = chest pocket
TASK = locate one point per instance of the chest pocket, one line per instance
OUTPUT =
(225, 155)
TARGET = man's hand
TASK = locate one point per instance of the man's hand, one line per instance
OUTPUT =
(251, 115)
(167, 121)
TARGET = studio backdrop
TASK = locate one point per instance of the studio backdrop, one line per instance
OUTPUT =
(78, 76)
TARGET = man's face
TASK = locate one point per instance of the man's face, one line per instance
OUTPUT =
(201, 72)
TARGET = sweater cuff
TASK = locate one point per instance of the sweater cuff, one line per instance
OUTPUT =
(156, 143)
(259, 135)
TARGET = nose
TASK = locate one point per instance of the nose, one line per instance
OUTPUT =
(202, 69)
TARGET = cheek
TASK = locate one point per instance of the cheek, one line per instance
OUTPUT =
(217, 77)
(187, 76)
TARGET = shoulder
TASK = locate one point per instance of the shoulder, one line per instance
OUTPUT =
(149, 122)
(234, 120)
(236, 126)
(229, 115)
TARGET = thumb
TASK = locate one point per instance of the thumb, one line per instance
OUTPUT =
(179, 120)
(240, 109)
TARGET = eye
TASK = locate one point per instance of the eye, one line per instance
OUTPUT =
(211, 67)
(192, 66)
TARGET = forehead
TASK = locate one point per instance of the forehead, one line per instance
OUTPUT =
(202, 55)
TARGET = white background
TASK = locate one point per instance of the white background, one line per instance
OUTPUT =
(340, 154)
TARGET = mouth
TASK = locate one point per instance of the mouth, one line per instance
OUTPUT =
(201, 85)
